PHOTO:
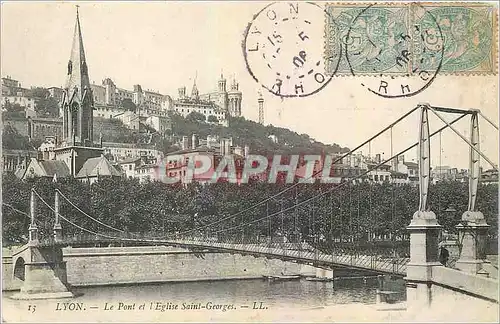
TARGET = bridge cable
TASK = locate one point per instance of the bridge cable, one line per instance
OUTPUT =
(440, 171)
(70, 222)
(487, 119)
(346, 182)
(464, 139)
(96, 233)
(357, 216)
(21, 212)
(350, 212)
(331, 224)
(393, 236)
(84, 213)
(314, 174)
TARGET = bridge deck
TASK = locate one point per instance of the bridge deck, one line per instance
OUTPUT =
(295, 252)
(310, 255)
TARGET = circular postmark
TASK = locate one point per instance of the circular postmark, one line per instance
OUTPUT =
(400, 48)
(283, 49)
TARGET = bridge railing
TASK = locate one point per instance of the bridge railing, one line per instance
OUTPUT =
(369, 255)
(307, 252)
(101, 237)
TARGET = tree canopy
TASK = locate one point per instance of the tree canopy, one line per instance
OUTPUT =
(45, 105)
(128, 104)
(11, 139)
(212, 119)
(162, 209)
(196, 117)
(13, 110)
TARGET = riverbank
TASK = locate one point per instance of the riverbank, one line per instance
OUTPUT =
(105, 266)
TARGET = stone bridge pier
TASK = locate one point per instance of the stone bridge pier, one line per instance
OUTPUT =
(41, 269)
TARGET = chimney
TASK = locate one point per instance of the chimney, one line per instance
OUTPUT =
(395, 164)
(378, 158)
(194, 141)
(185, 142)
(247, 151)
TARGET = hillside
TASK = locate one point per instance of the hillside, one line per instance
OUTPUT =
(243, 132)
(255, 135)
(113, 130)
(11, 139)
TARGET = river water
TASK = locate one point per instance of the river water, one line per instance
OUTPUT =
(236, 300)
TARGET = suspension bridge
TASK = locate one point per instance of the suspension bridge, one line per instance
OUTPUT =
(278, 235)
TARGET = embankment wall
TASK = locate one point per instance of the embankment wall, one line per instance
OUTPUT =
(135, 265)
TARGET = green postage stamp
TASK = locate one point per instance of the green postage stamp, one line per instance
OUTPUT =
(399, 38)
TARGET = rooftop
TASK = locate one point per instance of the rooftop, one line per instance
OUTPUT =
(202, 149)
(129, 160)
(411, 164)
(55, 167)
(99, 166)
(127, 145)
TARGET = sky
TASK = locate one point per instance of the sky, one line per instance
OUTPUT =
(164, 45)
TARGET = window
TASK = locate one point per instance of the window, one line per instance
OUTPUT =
(376, 177)
(130, 167)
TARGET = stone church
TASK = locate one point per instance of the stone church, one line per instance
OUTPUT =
(76, 154)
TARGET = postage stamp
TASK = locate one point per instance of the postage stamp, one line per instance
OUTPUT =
(372, 35)
(470, 34)
(368, 34)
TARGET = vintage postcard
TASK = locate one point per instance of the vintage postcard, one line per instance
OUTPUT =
(249, 161)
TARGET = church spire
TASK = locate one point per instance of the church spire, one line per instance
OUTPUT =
(77, 65)
(78, 99)
(195, 94)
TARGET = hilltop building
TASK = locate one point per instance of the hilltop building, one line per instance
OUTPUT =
(12, 87)
(14, 94)
(152, 107)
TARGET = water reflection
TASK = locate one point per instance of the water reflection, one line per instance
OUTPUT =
(298, 292)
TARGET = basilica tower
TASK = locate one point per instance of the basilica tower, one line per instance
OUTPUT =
(234, 99)
(222, 92)
(78, 102)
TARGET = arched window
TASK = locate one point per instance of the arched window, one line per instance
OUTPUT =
(74, 116)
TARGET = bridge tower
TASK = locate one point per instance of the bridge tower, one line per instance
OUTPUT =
(424, 270)
(473, 228)
(40, 267)
(424, 229)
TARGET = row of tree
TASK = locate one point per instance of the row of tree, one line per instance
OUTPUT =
(354, 211)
